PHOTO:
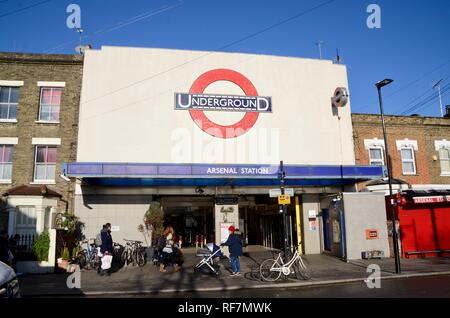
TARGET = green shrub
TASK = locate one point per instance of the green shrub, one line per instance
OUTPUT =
(71, 223)
(75, 251)
(41, 247)
(155, 216)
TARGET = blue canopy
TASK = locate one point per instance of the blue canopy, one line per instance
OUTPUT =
(165, 174)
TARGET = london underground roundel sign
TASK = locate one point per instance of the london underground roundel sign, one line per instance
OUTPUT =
(197, 103)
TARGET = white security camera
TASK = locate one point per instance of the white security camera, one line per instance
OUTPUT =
(64, 177)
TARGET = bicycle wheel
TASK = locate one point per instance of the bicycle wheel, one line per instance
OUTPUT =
(140, 258)
(135, 256)
(125, 257)
(304, 268)
(297, 270)
(266, 272)
(81, 260)
(94, 261)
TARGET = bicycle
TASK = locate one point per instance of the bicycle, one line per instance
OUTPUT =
(133, 253)
(117, 250)
(271, 269)
(88, 257)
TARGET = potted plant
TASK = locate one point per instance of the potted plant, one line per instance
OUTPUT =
(63, 262)
(71, 223)
(153, 220)
(41, 247)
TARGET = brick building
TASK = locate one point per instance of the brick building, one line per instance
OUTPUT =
(39, 103)
(420, 155)
(419, 147)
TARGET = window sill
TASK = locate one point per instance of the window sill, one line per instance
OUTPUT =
(8, 121)
(43, 182)
(445, 174)
(5, 181)
(46, 122)
(410, 174)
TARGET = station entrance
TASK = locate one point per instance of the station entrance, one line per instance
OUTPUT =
(260, 216)
(193, 219)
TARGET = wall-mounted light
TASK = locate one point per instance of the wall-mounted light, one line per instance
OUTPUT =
(199, 190)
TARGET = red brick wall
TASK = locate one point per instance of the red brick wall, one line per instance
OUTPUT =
(425, 130)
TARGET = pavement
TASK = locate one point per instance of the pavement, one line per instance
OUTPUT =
(327, 270)
(414, 287)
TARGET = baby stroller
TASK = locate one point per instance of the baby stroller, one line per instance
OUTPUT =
(211, 252)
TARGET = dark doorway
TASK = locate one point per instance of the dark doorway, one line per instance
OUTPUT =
(326, 230)
(191, 217)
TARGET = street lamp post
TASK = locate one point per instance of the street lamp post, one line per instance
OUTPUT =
(379, 85)
(282, 176)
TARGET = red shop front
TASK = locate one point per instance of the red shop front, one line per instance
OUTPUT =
(424, 219)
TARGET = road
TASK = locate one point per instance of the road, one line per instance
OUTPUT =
(417, 287)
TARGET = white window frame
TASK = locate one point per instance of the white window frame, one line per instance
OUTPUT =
(43, 181)
(376, 160)
(443, 173)
(26, 228)
(413, 160)
(45, 121)
(9, 104)
(3, 163)
(438, 145)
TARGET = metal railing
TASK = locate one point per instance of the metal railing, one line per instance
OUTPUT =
(22, 243)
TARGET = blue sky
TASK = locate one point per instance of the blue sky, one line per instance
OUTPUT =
(412, 47)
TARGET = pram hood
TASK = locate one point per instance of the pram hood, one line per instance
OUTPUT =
(211, 249)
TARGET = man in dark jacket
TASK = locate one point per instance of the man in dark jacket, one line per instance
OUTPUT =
(107, 243)
(234, 244)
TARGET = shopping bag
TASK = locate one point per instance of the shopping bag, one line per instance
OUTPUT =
(106, 261)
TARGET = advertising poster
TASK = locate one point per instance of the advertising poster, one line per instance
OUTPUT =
(224, 231)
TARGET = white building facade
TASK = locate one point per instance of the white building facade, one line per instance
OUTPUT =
(203, 133)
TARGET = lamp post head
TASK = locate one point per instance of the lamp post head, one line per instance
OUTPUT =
(384, 82)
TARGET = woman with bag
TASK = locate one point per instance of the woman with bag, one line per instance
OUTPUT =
(106, 250)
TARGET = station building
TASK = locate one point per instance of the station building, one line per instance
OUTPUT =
(203, 133)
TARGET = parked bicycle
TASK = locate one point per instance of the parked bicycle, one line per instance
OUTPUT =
(133, 253)
(117, 251)
(87, 257)
(272, 269)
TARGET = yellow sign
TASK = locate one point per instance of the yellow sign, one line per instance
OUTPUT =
(284, 199)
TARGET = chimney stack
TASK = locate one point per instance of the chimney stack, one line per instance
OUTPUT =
(447, 111)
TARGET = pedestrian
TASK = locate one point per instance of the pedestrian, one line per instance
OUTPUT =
(234, 244)
(106, 249)
(167, 253)
(13, 245)
(4, 251)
